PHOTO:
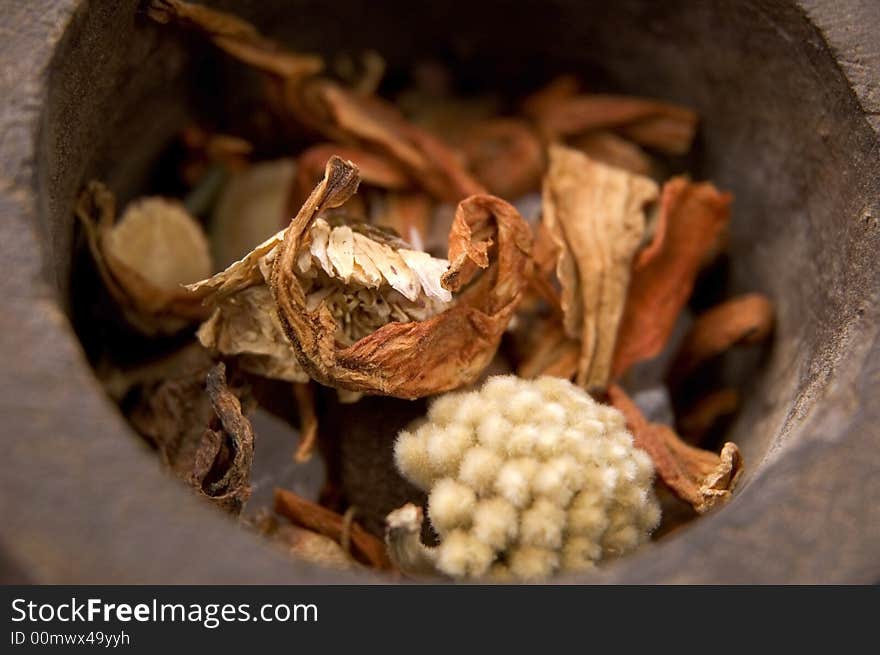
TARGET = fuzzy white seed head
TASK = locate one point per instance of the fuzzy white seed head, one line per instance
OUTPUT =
(528, 477)
(462, 555)
(471, 409)
(411, 457)
(443, 409)
(580, 554)
(514, 481)
(542, 524)
(558, 479)
(532, 563)
(495, 522)
(447, 446)
(492, 432)
(479, 468)
(521, 440)
(450, 505)
(523, 406)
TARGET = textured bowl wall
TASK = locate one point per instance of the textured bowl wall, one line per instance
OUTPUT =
(789, 97)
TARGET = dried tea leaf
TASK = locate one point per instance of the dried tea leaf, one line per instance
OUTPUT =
(664, 126)
(697, 476)
(146, 257)
(410, 359)
(609, 148)
(237, 38)
(364, 546)
(505, 155)
(596, 215)
(223, 461)
(699, 418)
(691, 218)
(253, 205)
(745, 319)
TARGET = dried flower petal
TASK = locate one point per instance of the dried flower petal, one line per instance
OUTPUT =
(222, 467)
(609, 148)
(746, 319)
(365, 547)
(252, 206)
(505, 155)
(412, 358)
(596, 216)
(667, 127)
(146, 257)
(697, 476)
(699, 418)
(692, 216)
(376, 125)
(236, 37)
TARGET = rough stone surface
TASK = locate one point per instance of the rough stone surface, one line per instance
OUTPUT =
(789, 96)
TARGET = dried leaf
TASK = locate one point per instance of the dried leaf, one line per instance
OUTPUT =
(560, 89)
(505, 155)
(252, 206)
(222, 467)
(746, 319)
(237, 38)
(699, 418)
(666, 127)
(364, 546)
(596, 215)
(609, 148)
(697, 476)
(692, 216)
(410, 359)
(145, 257)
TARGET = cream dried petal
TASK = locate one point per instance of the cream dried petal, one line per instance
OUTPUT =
(429, 271)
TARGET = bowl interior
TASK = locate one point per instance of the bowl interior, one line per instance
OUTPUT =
(776, 129)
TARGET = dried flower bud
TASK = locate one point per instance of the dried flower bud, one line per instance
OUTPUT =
(146, 257)
(541, 479)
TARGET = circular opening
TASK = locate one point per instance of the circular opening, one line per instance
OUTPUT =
(121, 88)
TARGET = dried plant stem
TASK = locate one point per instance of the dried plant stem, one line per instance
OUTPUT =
(365, 547)
(308, 421)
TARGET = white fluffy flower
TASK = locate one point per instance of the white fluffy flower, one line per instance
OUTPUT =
(525, 478)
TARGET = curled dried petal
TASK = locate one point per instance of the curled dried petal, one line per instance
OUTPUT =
(145, 257)
(692, 217)
(661, 125)
(609, 148)
(746, 319)
(415, 358)
(697, 476)
(222, 467)
(505, 155)
(699, 418)
(237, 38)
(596, 215)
